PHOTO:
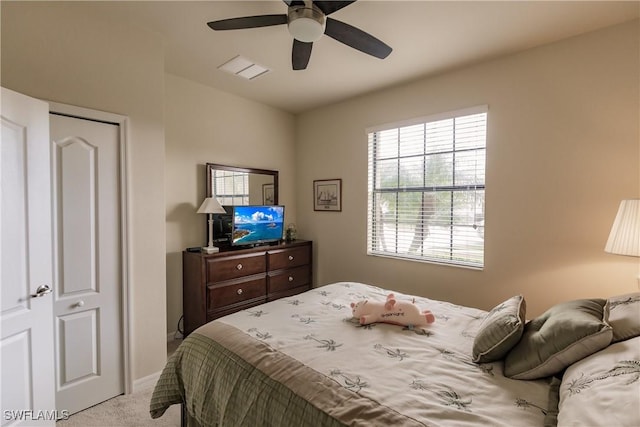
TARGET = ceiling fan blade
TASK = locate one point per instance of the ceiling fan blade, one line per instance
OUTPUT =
(356, 38)
(248, 22)
(300, 54)
(328, 7)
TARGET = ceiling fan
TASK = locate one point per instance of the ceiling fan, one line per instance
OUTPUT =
(307, 22)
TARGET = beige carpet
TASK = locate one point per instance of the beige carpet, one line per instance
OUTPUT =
(125, 411)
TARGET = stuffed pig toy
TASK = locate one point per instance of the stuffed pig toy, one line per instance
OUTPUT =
(391, 311)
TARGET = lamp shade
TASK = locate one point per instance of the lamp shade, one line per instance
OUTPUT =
(210, 205)
(624, 238)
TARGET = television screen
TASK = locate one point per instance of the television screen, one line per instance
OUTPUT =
(254, 225)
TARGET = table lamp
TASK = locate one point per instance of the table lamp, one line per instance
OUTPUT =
(210, 205)
(624, 238)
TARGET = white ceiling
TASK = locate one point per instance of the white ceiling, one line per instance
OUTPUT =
(427, 37)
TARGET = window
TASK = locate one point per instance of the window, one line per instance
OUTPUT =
(230, 187)
(426, 189)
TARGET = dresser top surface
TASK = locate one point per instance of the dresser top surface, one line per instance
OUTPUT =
(225, 252)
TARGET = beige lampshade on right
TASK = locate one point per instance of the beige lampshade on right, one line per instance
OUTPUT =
(624, 238)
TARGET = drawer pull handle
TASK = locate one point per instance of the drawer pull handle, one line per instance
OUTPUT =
(290, 257)
(239, 266)
(291, 278)
(239, 291)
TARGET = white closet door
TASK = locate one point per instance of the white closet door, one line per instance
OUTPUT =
(87, 264)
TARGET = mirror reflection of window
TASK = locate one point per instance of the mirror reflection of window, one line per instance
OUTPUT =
(231, 187)
(234, 186)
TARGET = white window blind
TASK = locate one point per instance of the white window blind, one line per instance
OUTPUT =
(426, 189)
(230, 187)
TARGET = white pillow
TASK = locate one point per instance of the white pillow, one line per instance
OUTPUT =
(603, 389)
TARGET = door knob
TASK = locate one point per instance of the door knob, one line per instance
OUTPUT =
(42, 291)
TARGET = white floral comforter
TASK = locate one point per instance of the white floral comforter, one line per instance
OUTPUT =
(426, 374)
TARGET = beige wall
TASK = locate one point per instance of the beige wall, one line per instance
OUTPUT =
(68, 54)
(205, 125)
(563, 148)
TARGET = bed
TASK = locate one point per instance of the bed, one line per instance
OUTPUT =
(305, 361)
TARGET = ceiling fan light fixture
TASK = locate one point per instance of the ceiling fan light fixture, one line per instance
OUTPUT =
(306, 24)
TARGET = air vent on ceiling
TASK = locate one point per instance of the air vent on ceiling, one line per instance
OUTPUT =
(243, 67)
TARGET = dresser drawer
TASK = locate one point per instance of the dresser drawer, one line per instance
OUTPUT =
(288, 279)
(287, 258)
(220, 269)
(222, 296)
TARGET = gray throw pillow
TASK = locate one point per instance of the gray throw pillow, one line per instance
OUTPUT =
(500, 330)
(564, 334)
(624, 316)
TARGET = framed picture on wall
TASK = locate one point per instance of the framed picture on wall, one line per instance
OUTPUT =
(327, 195)
(267, 194)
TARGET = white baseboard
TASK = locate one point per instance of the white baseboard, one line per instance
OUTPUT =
(146, 382)
(175, 335)
(151, 380)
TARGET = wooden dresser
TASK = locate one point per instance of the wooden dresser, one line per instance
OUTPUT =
(214, 285)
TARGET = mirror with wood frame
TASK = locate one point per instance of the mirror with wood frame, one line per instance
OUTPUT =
(233, 185)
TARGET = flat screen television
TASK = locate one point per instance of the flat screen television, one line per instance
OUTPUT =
(257, 225)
